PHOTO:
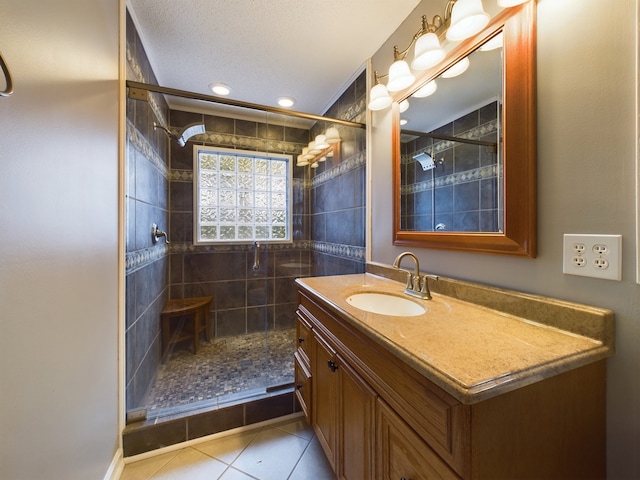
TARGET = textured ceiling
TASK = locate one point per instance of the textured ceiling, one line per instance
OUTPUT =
(307, 49)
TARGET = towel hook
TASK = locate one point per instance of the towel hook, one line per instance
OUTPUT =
(7, 75)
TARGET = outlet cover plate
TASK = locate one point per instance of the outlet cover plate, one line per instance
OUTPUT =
(589, 255)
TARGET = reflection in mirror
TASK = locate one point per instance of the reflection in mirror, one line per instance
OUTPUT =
(450, 153)
(478, 191)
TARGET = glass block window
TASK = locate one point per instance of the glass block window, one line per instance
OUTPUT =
(241, 196)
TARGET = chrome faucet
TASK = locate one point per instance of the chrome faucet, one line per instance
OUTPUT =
(416, 286)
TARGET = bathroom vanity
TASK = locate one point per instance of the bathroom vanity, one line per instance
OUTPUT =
(511, 390)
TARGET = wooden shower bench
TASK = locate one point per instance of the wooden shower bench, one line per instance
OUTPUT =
(197, 309)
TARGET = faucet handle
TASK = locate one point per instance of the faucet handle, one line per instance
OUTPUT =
(425, 285)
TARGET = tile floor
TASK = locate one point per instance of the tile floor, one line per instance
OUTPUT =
(286, 450)
(223, 369)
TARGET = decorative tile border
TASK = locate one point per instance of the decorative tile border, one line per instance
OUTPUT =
(154, 99)
(140, 258)
(345, 166)
(489, 171)
(141, 144)
(347, 251)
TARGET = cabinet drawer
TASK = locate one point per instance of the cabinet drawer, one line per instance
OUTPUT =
(303, 335)
(403, 454)
(303, 385)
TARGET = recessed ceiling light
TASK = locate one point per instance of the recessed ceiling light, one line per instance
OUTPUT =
(220, 88)
(286, 102)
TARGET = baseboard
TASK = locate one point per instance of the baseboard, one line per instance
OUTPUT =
(116, 467)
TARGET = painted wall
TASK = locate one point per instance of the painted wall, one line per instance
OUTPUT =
(59, 240)
(586, 184)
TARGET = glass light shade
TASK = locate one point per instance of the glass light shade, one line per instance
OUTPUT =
(428, 52)
(495, 42)
(379, 98)
(332, 135)
(467, 18)
(301, 161)
(404, 106)
(315, 165)
(321, 142)
(456, 69)
(313, 150)
(305, 154)
(400, 76)
(426, 90)
(322, 159)
(510, 3)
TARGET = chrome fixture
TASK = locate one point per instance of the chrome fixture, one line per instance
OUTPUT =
(461, 20)
(156, 233)
(8, 90)
(425, 160)
(416, 286)
(186, 133)
(256, 256)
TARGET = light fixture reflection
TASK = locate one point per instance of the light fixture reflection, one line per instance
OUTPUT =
(426, 90)
(404, 106)
(456, 69)
(510, 3)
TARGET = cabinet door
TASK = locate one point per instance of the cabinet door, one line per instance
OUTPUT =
(324, 406)
(303, 385)
(402, 454)
(357, 427)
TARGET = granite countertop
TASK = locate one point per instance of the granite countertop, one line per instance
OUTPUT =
(471, 351)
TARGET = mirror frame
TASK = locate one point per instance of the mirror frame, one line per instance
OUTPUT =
(519, 142)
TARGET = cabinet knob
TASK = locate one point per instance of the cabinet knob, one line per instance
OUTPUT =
(332, 365)
(300, 340)
(299, 387)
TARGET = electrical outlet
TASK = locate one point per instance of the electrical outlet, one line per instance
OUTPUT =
(598, 256)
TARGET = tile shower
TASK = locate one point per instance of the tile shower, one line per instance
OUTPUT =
(460, 193)
(252, 311)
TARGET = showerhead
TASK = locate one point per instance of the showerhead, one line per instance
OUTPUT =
(425, 161)
(189, 131)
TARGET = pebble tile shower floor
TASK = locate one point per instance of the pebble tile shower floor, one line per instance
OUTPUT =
(224, 369)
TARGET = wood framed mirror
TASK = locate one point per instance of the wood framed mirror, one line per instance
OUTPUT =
(503, 218)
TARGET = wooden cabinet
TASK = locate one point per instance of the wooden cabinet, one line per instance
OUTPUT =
(377, 417)
(403, 454)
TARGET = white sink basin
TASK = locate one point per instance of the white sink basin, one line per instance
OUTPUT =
(385, 304)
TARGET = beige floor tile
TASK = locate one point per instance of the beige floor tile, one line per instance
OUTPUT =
(145, 469)
(191, 464)
(229, 447)
(233, 474)
(271, 455)
(297, 426)
(313, 464)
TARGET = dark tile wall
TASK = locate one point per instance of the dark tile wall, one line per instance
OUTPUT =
(338, 218)
(147, 202)
(245, 300)
(461, 191)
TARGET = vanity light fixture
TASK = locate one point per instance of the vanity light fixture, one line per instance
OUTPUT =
(462, 19)
(220, 88)
(322, 147)
(379, 97)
